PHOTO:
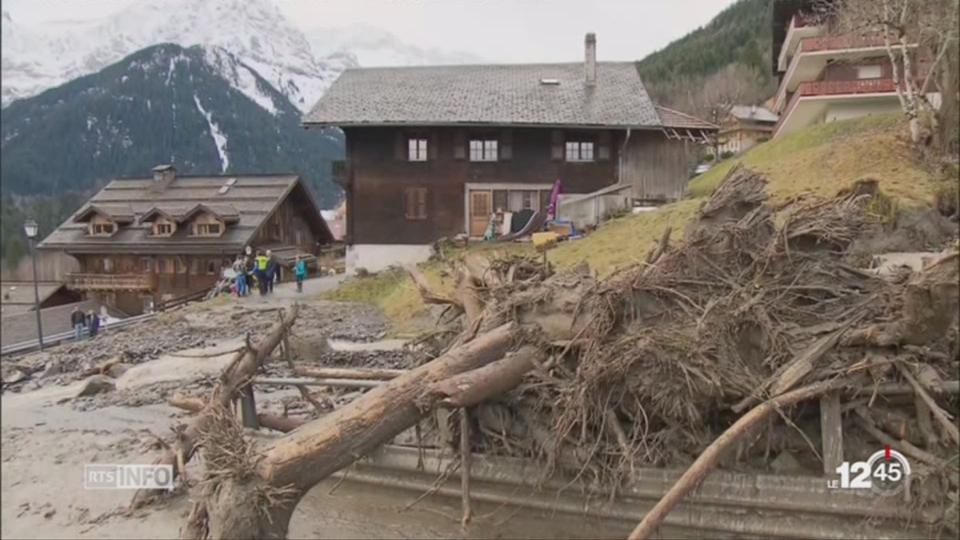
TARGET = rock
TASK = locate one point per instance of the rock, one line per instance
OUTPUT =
(51, 368)
(118, 369)
(96, 385)
(785, 463)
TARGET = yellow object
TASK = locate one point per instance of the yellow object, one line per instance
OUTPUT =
(544, 240)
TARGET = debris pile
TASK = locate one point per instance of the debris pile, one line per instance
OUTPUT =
(650, 366)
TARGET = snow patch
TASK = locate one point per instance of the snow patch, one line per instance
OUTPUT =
(219, 139)
(240, 77)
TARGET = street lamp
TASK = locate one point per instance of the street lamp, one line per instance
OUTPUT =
(30, 228)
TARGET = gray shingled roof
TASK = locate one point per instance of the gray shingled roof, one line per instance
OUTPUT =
(249, 201)
(487, 94)
(752, 112)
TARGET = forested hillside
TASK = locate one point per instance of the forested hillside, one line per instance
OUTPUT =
(729, 58)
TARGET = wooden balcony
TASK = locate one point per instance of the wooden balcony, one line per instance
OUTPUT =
(839, 43)
(857, 86)
(110, 282)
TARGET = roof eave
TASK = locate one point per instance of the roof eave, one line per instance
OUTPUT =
(309, 124)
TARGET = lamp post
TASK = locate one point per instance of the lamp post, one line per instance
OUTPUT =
(30, 228)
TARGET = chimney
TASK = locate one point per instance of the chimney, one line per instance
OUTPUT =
(590, 62)
(163, 175)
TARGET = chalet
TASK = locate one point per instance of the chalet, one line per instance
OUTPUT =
(433, 151)
(823, 76)
(145, 240)
(745, 127)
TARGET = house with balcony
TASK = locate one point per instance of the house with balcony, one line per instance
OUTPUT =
(433, 151)
(744, 127)
(140, 241)
(823, 76)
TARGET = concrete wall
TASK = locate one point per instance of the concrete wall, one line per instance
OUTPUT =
(844, 110)
(590, 210)
(377, 257)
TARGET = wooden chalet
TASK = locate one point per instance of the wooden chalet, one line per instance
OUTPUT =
(433, 151)
(140, 241)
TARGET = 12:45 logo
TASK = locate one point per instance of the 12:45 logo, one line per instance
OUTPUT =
(886, 473)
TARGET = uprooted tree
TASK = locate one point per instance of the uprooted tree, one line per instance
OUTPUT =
(757, 307)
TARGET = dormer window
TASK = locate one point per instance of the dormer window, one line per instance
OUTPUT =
(206, 229)
(102, 227)
(164, 227)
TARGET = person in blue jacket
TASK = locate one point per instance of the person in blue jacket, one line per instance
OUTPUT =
(300, 272)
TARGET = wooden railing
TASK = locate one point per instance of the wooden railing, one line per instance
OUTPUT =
(834, 88)
(834, 43)
(110, 282)
(181, 300)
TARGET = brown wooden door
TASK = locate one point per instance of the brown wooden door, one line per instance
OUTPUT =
(481, 206)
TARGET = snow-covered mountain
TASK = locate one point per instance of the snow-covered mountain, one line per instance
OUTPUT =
(161, 104)
(254, 31)
(372, 46)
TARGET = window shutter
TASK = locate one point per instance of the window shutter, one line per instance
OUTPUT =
(460, 145)
(399, 146)
(432, 148)
(408, 203)
(421, 203)
(603, 146)
(506, 145)
(556, 144)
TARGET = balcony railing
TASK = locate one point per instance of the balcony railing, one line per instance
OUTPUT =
(859, 86)
(800, 20)
(835, 43)
(110, 282)
(834, 88)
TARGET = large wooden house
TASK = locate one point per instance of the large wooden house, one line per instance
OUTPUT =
(145, 240)
(433, 151)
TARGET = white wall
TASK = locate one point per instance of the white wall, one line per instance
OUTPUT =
(377, 257)
(843, 110)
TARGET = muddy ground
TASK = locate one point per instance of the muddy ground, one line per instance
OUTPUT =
(49, 434)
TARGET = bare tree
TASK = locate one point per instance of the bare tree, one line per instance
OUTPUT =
(912, 31)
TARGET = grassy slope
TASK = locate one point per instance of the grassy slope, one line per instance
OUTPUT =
(821, 159)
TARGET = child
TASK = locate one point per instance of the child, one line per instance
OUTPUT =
(300, 272)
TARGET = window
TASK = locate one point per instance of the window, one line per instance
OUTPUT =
(869, 72)
(579, 151)
(212, 267)
(164, 266)
(416, 149)
(415, 203)
(528, 197)
(102, 229)
(107, 264)
(483, 150)
(162, 228)
(146, 265)
(206, 229)
(181, 265)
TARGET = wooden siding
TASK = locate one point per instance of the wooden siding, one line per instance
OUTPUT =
(656, 167)
(379, 173)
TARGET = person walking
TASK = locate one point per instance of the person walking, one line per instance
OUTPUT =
(300, 272)
(273, 271)
(93, 324)
(261, 272)
(79, 322)
(240, 276)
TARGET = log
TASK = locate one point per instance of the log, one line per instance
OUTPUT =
(709, 458)
(307, 455)
(426, 293)
(472, 387)
(465, 455)
(938, 413)
(291, 381)
(244, 365)
(383, 374)
(283, 424)
(831, 430)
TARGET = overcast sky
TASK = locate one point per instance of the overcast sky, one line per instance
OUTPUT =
(495, 30)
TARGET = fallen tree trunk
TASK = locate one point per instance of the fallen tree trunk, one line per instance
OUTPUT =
(382, 374)
(304, 457)
(283, 424)
(472, 387)
(708, 459)
(234, 376)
